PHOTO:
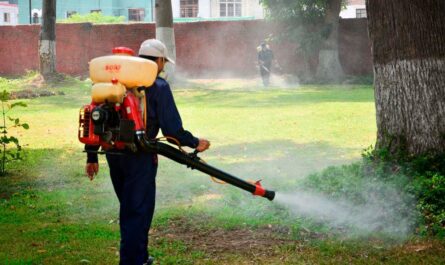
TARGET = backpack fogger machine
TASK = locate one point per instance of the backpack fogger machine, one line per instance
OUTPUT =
(114, 119)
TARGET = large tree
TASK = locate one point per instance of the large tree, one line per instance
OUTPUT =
(313, 25)
(164, 30)
(47, 40)
(329, 66)
(408, 45)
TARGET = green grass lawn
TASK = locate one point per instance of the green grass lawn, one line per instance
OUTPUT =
(50, 213)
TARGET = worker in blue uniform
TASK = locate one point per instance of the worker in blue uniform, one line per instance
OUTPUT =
(265, 58)
(133, 174)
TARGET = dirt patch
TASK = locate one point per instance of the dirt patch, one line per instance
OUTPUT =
(37, 87)
(417, 246)
(5, 195)
(259, 241)
(37, 82)
(33, 93)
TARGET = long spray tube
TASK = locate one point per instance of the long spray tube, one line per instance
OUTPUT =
(195, 163)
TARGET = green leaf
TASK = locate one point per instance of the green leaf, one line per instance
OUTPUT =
(20, 103)
(4, 96)
(10, 156)
(5, 140)
(14, 139)
(25, 126)
(17, 121)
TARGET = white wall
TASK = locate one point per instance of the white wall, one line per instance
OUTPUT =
(210, 8)
(176, 8)
(214, 8)
(258, 10)
(250, 8)
(204, 8)
(13, 13)
(349, 12)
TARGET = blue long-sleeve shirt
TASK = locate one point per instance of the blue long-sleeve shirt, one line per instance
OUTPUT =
(162, 114)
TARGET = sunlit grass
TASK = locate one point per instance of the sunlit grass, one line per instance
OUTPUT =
(51, 214)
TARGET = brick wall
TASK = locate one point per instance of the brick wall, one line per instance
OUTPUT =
(203, 48)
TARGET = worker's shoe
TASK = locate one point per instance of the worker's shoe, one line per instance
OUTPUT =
(150, 261)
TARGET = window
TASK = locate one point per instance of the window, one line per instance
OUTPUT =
(189, 8)
(96, 11)
(70, 13)
(136, 14)
(6, 17)
(360, 12)
(230, 8)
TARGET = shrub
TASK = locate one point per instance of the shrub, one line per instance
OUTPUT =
(418, 181)
(9, 153)
(427, 183)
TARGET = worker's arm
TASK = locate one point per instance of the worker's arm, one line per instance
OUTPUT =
(170, 120)
(92, 166)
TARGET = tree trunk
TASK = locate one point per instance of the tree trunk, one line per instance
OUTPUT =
(329, 67)
(47, 43)
(408, 45)
(165, 32)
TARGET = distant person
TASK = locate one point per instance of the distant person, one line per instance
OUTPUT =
(265, 58)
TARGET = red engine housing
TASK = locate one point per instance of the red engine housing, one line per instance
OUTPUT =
(129, 110)
(86, 127)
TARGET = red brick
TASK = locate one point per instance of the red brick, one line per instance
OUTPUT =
(203, 48)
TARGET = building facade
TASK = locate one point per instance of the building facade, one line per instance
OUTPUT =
(132, 10)
(217, 9)
(143, 10)
(8, 13)
(30, 11)
(354, 9)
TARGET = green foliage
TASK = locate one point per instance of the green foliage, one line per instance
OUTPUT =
(421, 178)
(426, 175)
(9, 153)
(303, 21)
(94, 17)
(308, 24)
(366, 185)
(430, 190)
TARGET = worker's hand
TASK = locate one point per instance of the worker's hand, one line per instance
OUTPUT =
(91, 170)
(203, 145)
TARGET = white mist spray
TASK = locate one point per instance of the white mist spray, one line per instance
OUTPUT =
(386, 213)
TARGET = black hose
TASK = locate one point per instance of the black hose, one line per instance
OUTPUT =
(195, 163)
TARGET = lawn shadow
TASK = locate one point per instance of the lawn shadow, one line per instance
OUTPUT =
(47, 169)
(273, 98)
(58, 176)
(280, 164)
(279, 161)
(212, 96)
(50, 185)
(68, 100)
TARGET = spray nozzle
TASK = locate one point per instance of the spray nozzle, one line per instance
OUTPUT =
(260, 191)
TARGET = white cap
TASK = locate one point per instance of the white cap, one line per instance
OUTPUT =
(154, 48)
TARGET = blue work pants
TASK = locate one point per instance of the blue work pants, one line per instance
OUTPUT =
(133, 176)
